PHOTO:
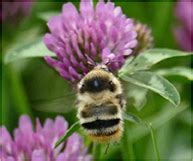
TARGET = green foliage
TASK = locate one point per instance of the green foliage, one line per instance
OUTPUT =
(185, 72)
(134, 71)
(135, 95)
(157, 120)
(148, 58)
(155, 83)
(47, 15)
(154, 142)
(28, 50)
(133, 118)
(68, 133)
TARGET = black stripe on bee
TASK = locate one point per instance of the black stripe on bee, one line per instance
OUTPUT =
(97, 84)
(99, 124)
(94, 110)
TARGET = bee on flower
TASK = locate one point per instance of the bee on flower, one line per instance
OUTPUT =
(91, 46)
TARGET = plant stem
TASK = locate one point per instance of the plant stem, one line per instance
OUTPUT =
(19, 95)
(127, 147)
(68, 133)
(154, 142)
(5, 103)
(162, 21)
(97, 151)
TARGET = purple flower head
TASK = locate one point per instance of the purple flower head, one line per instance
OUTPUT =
(13, 11)
(184, 32)
(38, 145)
(81, 40)
(144, 38)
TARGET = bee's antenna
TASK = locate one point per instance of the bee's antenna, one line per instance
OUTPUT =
(90, 61)
(110, 62)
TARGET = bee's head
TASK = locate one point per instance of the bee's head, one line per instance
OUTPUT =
(98, 80)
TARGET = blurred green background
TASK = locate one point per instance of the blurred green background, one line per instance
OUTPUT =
(31, 86)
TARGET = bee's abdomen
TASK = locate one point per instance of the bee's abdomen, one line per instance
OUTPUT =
(103, 122)
(99, 124)
(104, 130)
(93, 110)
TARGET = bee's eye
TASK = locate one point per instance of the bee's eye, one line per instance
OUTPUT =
(110, 83)
(82, 88)
(111, 86)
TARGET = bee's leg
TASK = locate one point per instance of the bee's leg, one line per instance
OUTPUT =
(107, 148)
(116, 143)
(91, 147)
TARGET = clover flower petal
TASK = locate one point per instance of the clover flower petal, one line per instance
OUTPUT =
(38, 144)
(12, 11)
(184, 32)
(81, 40)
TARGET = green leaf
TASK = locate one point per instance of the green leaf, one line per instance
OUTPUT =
(156, 83)
(148, 58)
(133, 118)
(47, 15)
(162, 22)
(135, 95)
(35, 48)
(68, 133)
(127, 149)
(158, 120)
(177, 71)
(19, 97)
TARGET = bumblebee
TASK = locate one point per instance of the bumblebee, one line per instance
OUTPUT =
(100, 104)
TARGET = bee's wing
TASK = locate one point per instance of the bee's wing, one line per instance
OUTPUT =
(62, 104)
